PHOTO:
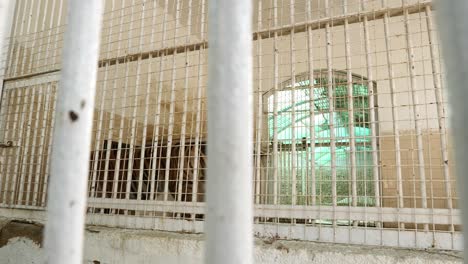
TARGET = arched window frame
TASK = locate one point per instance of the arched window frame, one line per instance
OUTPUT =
(341, 106)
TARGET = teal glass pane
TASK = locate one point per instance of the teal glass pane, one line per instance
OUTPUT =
(312, 113)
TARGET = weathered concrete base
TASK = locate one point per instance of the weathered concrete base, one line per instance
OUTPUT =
(112, 245)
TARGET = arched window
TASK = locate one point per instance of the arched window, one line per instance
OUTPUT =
(312, 134)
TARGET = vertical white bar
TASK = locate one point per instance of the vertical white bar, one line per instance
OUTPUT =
(42, 142)
(21, 70)
(36, 61)
(453, 28)
(310, 38)
(9, 175)
(146, 95)
(229, 195)
(440, 111)
(275, 104)
(16, 14)
(131, 148)
(64, 232)
(415, 107)
(157, 118)
(145, 122)
(34, 178)
(184, 111)
(331, 110)
(112, 117)
(7, 10)
(172, 103)
(97, 144)
(350, 95)
(395, 118)
(15, 62)
(123, 107)
(198, 124)
(17, 174)
(258, 131)
(49, 143)
(26, 157)
(54, 58)
(372, 112)
(6, 116)
(35, 34)
(49, 35)
(293, 109)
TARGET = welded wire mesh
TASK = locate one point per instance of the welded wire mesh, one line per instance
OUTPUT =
(351, 142)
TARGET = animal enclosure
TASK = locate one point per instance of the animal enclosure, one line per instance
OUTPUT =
(351, 141)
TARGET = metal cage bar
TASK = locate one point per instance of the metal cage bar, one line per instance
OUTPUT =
(64, 233)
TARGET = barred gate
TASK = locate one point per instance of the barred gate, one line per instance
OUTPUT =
(351, 143)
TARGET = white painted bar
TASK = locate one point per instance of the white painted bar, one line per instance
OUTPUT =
(184, 111)
(46, 40)
(64, 232)
(275, 105)
(293, 103)
(441, 116)
(26, 156)
(146, 94)
(416, 113)
(157, 119)
(14, 33)
(34, 34)
(171, 109)
(36, 61)
(331, 101)
(359, 236)
(112, 117)
(34, 177)
(321, 212)
(42, 141)
(453, 28)
(198, 121)
(310, 66)
(7, 8)
(258, 129)
(395, 115)
(55, 58)
(5, 118)
(49, 144)
(99, 131)
(16, 174)
(373, 110)
(26, 37)
(131, 149)
(229, 226)
(16, 61)
(349, 84)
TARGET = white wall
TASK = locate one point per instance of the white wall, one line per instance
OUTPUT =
(109, 245)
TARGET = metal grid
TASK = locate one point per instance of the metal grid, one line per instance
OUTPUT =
(350, 144)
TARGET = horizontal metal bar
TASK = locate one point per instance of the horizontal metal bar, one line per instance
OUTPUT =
(363, 236)
(338, 234)
(385, 214)
(46, 77)
(334, 21)
(142, 205)
(304, 145)
(356, 17)
(31, 75)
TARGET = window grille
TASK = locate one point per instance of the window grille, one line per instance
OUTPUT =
(357, 151)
